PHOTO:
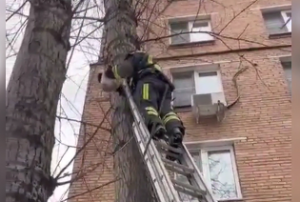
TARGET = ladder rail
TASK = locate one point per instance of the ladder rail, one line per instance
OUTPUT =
(167, 190)
(160, 192)
(171, 193)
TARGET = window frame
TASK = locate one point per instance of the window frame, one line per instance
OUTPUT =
(203, 149)
(206, 173)
(287, 20)
(190, 22)
(196, 70)
(282, 10)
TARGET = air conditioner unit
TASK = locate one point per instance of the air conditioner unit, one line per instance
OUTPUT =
(208, 105)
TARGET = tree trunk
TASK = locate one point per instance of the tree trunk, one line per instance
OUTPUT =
(32, 97)
(121, 38)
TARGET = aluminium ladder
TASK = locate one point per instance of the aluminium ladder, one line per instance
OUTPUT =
(167, 189)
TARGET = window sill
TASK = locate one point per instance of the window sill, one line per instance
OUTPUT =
(280, 35)
(188, 44)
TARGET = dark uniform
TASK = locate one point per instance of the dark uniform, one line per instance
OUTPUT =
(152, 92)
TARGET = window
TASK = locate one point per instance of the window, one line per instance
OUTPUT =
(190, 31)
(287, 67)
(188, 83)
(278, 22)
(218, 167)
(184, 88)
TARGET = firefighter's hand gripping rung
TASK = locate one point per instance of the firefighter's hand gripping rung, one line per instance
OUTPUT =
(166, 189)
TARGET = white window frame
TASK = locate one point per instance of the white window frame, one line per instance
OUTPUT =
(202, 69)
(190, 22)
(206, 172)
(282, 10)
(208, 146)
(287, 20)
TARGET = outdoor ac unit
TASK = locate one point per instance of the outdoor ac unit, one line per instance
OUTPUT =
(208, 105)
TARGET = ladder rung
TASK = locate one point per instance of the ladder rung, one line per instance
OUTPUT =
(177, 166)
(168, 148)
(176, 170)
(188, 192)
(189, 187)
(170, 154)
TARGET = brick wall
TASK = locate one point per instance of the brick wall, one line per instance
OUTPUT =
(262, 116)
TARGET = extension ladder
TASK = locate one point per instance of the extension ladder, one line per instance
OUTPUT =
(167, 189)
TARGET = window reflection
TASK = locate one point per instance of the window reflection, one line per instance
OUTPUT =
(221, 175)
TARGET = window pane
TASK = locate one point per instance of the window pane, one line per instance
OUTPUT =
(178, 28)
(287, 17)
(208, 84)
(287, 67)
(221, 175)
(184, 88)
(200, 27)
(274, 22)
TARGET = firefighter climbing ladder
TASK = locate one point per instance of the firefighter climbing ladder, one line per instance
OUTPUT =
(167, 189)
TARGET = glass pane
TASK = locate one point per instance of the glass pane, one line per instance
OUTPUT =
(178, 28)
(184, 88)
(182, 83)
(274, 22)
(200, 27)
(208, 84)
(183, 98)
(287, 66)
(203, 74)
(197, 160)
(287, 17)
(221, 175)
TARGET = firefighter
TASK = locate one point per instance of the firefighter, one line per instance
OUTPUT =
(152, 92)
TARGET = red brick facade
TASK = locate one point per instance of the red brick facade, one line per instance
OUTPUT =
(259, 124)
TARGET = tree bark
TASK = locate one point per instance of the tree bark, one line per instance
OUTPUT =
(121, 38)
(32, 97)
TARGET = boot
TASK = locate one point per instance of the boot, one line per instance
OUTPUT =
(159, 132)
(175, 140)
